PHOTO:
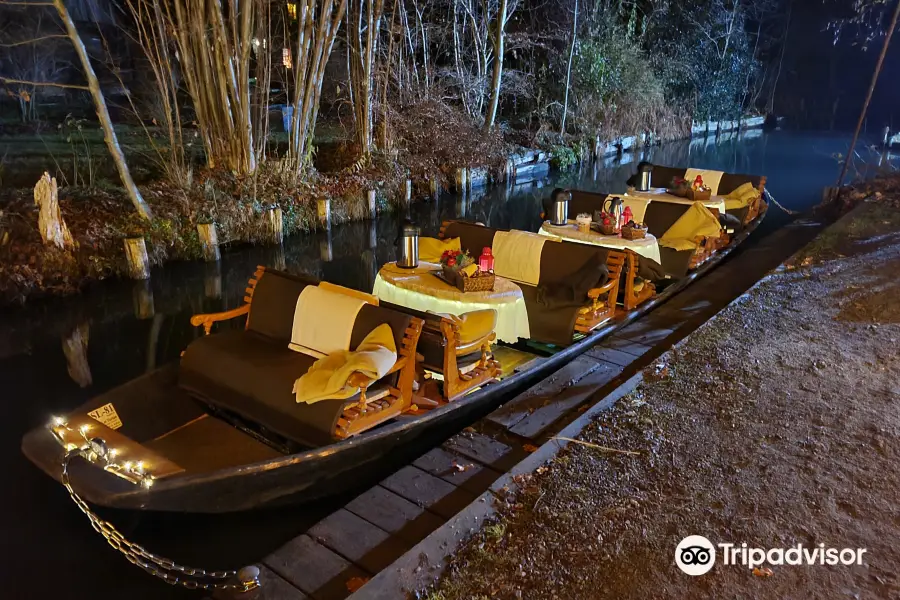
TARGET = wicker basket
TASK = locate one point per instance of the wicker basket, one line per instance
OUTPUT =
(698, 196)
(604, 229)
(483, 282)
(633, 233)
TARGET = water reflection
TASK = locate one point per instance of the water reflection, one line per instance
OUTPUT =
(134, 327)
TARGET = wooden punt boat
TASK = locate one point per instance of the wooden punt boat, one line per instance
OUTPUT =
(159, 444)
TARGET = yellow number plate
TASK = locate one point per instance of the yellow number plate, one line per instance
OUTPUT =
(107, 415)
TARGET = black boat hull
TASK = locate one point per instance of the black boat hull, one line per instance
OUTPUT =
(335, 468)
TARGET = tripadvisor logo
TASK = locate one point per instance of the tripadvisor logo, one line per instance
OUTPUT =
(696, 555)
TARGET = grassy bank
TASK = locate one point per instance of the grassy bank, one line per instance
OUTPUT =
(432, 143)
(775, 424)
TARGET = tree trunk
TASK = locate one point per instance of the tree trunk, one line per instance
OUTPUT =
(770, 108)
(109, 133)
(862, 115)
(499, 37)
(562, 125)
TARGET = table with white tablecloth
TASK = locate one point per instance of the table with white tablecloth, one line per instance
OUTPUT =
(646, 246)
(420, 289)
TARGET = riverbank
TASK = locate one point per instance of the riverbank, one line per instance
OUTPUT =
(784, 434)
(100, 216)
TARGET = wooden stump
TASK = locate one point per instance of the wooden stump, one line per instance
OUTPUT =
(75, 349)
(138, 261)
(323, 210)
(275, 225)
(142, 297)
(50, 222)
(209, 241)
(373, 205)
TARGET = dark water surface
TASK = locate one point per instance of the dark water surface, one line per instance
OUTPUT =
(48, 547)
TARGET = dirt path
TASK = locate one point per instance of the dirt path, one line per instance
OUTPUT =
(776, 424)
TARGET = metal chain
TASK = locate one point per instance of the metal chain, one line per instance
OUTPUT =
(771, 199)
(158, 566)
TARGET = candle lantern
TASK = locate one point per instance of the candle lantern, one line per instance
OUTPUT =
(486, 260)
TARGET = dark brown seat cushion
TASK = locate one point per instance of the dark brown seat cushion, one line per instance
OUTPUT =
(245, 373)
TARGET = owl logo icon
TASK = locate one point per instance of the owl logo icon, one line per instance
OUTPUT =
(695, 555)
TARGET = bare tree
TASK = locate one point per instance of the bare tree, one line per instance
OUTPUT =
(498, 40)
(318, 22)
(562, 124)
(364, 26)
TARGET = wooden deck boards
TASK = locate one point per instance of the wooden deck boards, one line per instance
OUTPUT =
(394, 514)
(314, 569)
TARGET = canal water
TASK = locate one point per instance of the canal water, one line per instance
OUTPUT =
(48, 547)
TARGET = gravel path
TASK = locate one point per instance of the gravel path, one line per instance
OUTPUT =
(775, 424)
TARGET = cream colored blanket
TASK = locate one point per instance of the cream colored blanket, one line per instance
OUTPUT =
(710, 178)
(328, 378)
(323, 321)
(517, 255)
(697, 221)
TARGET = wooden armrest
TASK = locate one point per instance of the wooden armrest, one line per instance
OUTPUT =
(595, 293)
(207, 319)
(401, 362)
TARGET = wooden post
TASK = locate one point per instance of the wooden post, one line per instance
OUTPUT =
(373, 235)
(209, 242)
(279, 260)
(323, 210)
(212, 281)
(461, 184)
(142, 297)
(435, 187)
(275, 225)
(407, 191)
(138, 261)
(325, 250)
(373, 205)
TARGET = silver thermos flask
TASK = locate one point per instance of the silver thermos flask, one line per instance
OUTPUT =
(560, 214)
(645, 172)
(409, 246)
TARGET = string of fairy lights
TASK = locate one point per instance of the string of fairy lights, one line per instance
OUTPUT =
(96, 451)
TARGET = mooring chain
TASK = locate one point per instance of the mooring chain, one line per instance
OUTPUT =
(159, 566)
(771, 198)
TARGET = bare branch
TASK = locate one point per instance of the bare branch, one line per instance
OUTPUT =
(43, 83)
(34, 40)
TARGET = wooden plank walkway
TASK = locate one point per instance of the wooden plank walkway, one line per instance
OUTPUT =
(354, 543)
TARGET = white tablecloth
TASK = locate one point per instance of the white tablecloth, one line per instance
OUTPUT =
(512, 317)
(647, 247)
(638, 201)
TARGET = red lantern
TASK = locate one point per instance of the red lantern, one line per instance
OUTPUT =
(486, 261)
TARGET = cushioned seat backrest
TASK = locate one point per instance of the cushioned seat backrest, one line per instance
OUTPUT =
(732, 181)
(472, 237)
(274, 302)
(659, 216)
(560, 260)
(431, 340)
(662, 176)
(585, 202)
(370, 317)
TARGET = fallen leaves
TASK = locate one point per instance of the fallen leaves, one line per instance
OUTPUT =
(764, 572)
(529, 448)
(354, 583)
(461, 468)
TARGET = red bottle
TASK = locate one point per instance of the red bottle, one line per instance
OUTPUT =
(486, 260)
(627, 216)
